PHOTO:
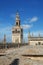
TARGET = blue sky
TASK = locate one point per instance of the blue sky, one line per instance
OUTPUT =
(31, 15)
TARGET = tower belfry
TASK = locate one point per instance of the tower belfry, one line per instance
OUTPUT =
(17, 19)
(17, 31)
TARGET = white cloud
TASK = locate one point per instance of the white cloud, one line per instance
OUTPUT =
(30, 20)
(34, 19)
(7, 31)
(26, 26)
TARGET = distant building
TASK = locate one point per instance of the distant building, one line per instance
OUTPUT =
(33, 40)
(17, 31)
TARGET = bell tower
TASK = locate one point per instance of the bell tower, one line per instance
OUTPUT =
(17, 31)
(17, 19)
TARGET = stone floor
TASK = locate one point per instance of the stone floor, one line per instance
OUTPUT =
(14, 56)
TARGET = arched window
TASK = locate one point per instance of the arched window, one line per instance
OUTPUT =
(16, 23)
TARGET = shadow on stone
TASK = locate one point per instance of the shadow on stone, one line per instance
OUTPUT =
(15, 62)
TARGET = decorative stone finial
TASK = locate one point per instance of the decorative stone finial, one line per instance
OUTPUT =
(29, 34)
